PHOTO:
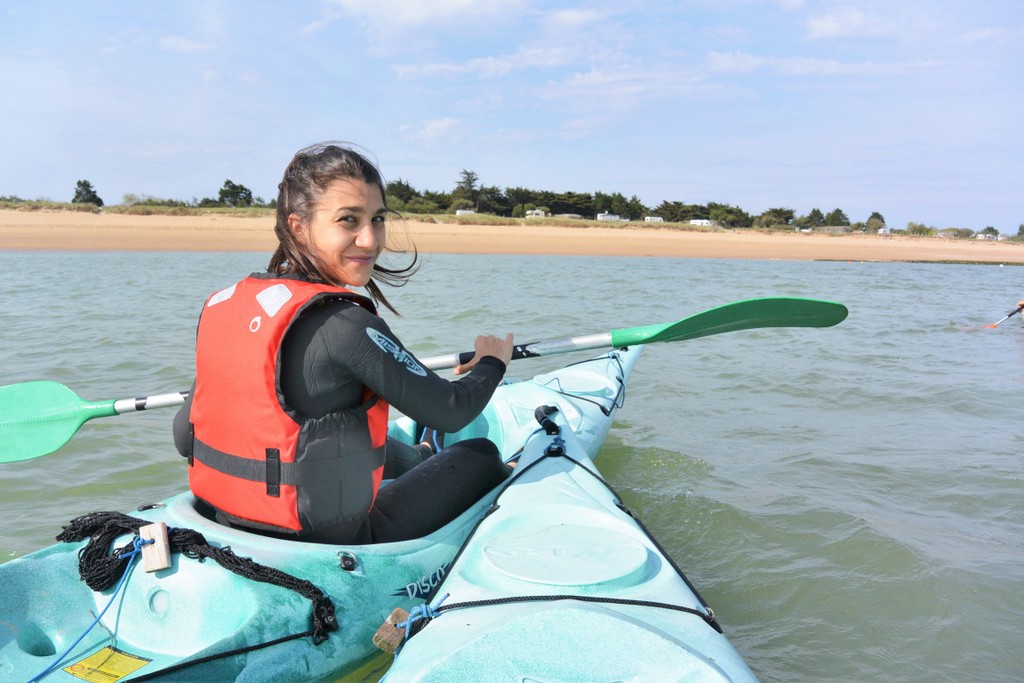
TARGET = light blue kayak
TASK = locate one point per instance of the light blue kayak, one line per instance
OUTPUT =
(560, 583)
(196, 610)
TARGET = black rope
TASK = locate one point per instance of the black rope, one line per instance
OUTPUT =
(220, 655)
(100, 569)
(707, 616)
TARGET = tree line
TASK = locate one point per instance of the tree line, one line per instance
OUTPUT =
(517, 202)
(231, 195)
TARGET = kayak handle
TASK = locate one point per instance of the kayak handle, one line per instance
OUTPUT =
(541, 415)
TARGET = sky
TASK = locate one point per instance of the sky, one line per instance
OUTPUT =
(909, 108)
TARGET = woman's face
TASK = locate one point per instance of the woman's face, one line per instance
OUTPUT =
(347, 230)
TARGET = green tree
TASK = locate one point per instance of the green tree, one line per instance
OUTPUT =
(678, 212)
(491, 199)
(441, 200)
(467, 188)
(519, 198)
(635, 209)
(729, 216)
(989, 230)
(1020, 230)
(837, 217)
(602, 203)
(234, 195)
(774, 218)
(620, 206)
(422, 205)
(85, 194)
(579, 203)
(669, 211)
(875, 223)
(402, 191)
(520, 195)
(813, 219)
(919, 229)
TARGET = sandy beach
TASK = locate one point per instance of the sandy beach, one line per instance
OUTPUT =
(68, 230)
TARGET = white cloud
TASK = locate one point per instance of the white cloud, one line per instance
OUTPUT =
(432, 132)
(624, 86)
(574, 18)
(743, 63)
(493, 66)
(392, 14)
(848, 21)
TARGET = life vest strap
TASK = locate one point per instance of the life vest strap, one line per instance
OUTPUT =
(271, 471)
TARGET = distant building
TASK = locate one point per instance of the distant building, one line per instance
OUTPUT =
(605, 216)
(536, 213)
(464, 212)
(653, 219)
(700, 221)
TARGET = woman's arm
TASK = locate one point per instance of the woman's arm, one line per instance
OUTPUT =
(361, 347)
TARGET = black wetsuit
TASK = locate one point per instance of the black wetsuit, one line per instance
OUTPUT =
(327, 358)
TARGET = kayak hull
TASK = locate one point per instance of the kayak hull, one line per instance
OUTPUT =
(561, 583)
(198, 609)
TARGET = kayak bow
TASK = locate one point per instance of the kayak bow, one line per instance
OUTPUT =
(561, 582)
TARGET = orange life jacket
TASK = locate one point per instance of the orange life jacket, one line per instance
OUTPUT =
(254, 459)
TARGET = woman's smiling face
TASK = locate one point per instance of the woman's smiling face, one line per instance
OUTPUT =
(347, 230)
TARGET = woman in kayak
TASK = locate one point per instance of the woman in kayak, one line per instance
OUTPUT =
(286, 426)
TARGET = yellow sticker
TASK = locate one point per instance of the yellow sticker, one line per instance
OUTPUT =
(106, 666)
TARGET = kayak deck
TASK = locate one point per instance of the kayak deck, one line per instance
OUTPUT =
(560, 582)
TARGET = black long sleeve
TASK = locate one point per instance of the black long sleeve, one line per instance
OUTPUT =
(333, 350)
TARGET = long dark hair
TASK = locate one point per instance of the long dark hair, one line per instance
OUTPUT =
(310, 172)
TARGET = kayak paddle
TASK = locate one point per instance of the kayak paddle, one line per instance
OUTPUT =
(740, 315)
(37, 418)
(1007, 317)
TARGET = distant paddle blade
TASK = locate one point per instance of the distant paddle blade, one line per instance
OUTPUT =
(37, 418)
(741, 315)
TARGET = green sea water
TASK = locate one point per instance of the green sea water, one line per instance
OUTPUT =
(849, 500)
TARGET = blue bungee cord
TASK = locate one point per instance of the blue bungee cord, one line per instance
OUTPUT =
(417, 613)
(136, 550)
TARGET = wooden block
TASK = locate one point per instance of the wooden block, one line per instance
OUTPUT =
(389, 636)
(155, 555)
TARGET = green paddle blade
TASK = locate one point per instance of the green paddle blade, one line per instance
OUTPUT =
(37, 418)
(741, 315)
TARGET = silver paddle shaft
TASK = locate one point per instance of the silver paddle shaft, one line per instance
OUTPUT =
(586, 342)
